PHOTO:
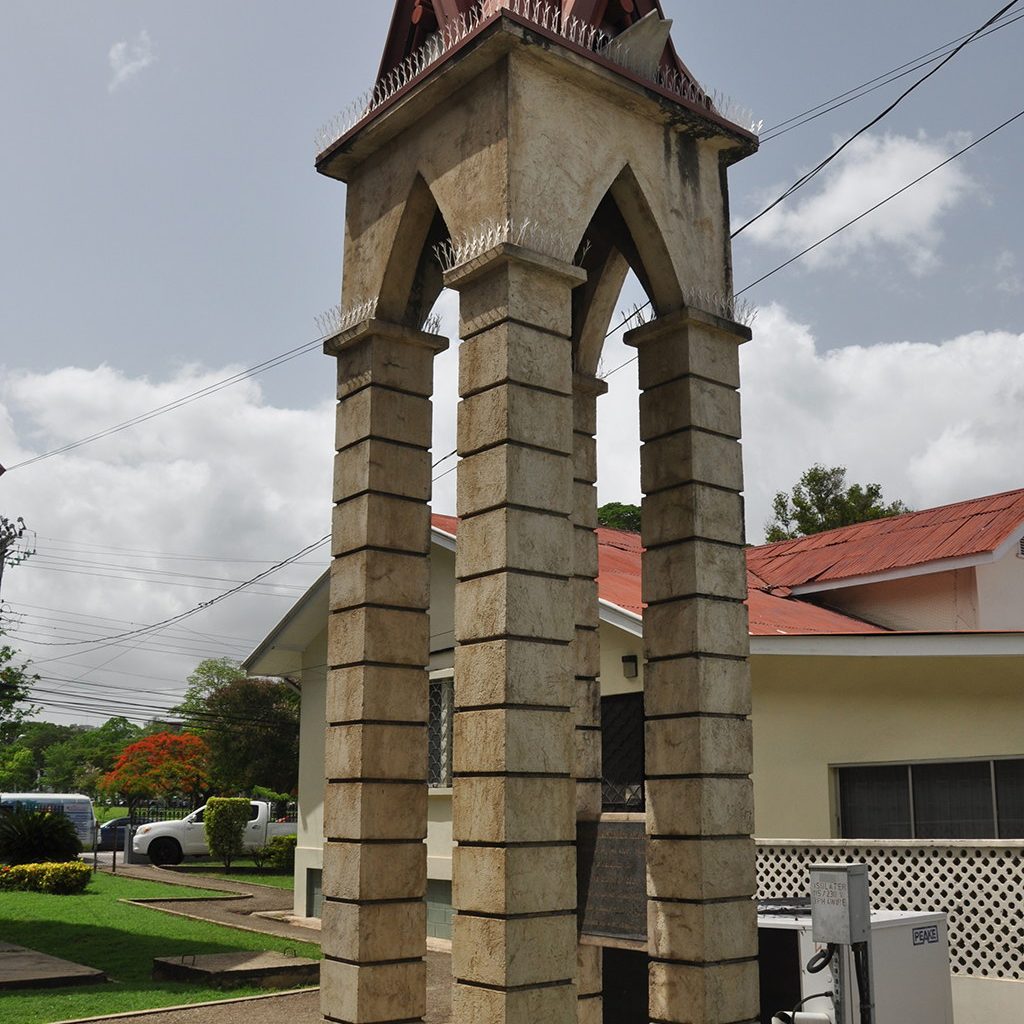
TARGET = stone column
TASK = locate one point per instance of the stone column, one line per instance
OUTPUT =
(514, 941)
(587, 655)
(375, 808)
(702, 926)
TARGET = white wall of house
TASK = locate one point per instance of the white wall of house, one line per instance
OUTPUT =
(1001, 592)
(309, 854)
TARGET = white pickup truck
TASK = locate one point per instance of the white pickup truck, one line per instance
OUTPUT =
(168, 842)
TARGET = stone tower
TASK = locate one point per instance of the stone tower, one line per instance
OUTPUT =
(527, 154)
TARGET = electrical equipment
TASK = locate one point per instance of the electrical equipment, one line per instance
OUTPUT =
(909, 965)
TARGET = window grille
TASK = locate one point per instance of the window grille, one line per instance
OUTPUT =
(440, 733)
(622, 752)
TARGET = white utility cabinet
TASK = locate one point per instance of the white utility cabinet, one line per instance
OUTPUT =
(909, 965)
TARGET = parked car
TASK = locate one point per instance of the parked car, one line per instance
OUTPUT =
(111, 833)
(168, 842)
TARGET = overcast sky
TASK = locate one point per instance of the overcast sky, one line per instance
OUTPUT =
(163, 228)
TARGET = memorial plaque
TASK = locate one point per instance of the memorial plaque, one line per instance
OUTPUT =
(611, 878)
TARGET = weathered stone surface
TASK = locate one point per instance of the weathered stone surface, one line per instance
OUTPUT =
(384, 635)
(588, 755)
(587, 702)
(587, 650)
(380, 577)
(513, 475)
(515, 353)
(694, 869)
(694, 567)
(510, 283)
(514, 538)
(514, 879)
(381, 521)
(384, 414)
(513, 740)
(693, 683)
(368, 994)
(386, 355)
(590, 1010)
(393, 752)
(584, 551)
(584, 460)
(691, 456)
(702, 932)
(711, 746)
(588, 970)
(375, 810)
(585, 607)
(489, 809)
(718, 994)
(512, 412)
(378, 693)
(692, 510)
(514, 952)
(376, 871)
(370, 932)
(382, 467)
(696, 624)
(522, 1006)
(589, 798)
(513, 604)
(695, 807)
(513, 672)
(689, 401)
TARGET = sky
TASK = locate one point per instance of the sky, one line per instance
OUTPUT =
(163, 228)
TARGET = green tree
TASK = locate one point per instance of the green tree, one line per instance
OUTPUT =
(208, 677)
(17, 770)
(822, 500)
(15, 687)
(620, 517)
(79, 762)
(224, 822)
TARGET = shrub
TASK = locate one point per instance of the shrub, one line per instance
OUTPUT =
(32, 837)
(59, 879)
(279, 853)
(225, 819)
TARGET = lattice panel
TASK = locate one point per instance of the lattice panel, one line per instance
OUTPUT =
(440, 733)
(979, 887)
(622, 752)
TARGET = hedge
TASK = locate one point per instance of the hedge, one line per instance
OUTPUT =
(58, 879)
(225, 819)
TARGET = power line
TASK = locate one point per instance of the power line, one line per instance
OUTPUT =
(878, 82)
(804, 179)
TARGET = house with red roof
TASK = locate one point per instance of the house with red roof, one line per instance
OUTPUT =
(887, 662)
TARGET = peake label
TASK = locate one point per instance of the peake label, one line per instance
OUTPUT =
(926, 936)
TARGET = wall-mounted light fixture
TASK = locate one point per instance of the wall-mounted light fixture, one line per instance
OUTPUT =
(629, 666)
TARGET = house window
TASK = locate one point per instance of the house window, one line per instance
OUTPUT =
(440, 733)
(622, 752)
(932, 800)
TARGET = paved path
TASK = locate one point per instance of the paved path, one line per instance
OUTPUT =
(25, 968)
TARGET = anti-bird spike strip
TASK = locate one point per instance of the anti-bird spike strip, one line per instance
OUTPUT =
(547, 16)
(462, 248)
(341, 318)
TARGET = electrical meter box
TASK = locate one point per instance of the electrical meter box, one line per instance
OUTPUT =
(840, 903)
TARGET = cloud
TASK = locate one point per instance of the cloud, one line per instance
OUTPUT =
(1008, 277)
(128, 58)
(872, 168)
(933, 423)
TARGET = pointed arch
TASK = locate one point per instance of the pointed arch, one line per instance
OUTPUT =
(412, 277)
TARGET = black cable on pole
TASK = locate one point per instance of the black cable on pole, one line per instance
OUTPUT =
(800, 182)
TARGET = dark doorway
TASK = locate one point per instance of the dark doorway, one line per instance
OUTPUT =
(625, 986)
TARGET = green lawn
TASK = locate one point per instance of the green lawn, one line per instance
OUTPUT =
(242, 870)
(94, 929)
(106, 813)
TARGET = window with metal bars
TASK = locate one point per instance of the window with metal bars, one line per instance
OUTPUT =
(440, 733)
(622, 752)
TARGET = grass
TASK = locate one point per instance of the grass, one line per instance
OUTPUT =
(242, 870)
(96, 930)
(106, 813)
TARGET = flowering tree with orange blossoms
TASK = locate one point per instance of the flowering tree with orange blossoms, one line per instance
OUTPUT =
(165, 764)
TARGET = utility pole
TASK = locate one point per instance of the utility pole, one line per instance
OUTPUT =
(10, 534)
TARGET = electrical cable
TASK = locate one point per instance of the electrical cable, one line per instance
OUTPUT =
(804, 179)
(878, 82)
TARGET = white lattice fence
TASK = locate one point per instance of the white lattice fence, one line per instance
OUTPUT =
(980, 885)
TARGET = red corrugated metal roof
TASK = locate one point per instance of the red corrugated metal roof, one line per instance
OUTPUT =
(965, 529)
(771, 613)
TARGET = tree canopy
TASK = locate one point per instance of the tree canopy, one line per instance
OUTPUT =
(618, 516)
(822, 500)
(15, 689)
(163, 765)
(207, 677)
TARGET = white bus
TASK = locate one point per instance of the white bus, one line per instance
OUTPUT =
(74, 806)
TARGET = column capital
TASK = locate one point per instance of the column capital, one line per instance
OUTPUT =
(507, 254)
(373, 328)
(588, 386)
(682, 318)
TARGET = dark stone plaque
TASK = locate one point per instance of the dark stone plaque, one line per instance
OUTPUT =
(611, 879)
